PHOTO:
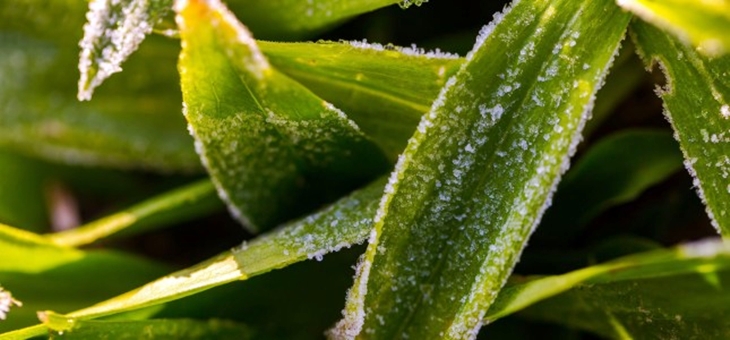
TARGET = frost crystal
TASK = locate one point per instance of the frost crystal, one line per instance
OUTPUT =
(408, 3)
(7, 301)
(412, 50)
(725, 111)
(114, 30)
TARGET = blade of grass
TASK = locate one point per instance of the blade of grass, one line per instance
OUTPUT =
(151, 329)
(347, 222)
(634, 297)
(697, 103)
(249, 119)
(182, 204)
(478, 173)
(385, 91)
(44, 276)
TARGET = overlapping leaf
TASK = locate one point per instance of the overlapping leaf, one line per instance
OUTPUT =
(697, 102)
(635, 297)
(271, 146)
(703, 23)
(385, 91)
(480, 170)
(345, 223)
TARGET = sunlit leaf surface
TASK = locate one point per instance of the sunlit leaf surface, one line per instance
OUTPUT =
(478, 173)
(703, 23)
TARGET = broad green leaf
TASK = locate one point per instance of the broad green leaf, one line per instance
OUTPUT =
(347, 222)
(45, 276)
(616, 170)
(697, 103)
(181, 204)
(385, 91)
(114, 30)
(268, 142)
(478, 173)
(679, 293)
(703, 23)
(153, 329)
(133, 123)
(295, 19)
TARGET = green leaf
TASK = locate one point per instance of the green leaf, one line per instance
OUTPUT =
(385, 91)
(635, 297)
(114, 31)
(479, 171)
(268, 142)
(135, 120)
(615, 170)
(154, 329)
(347, 222)
(185, 203)
(703, 23)
(44, 276)
(697, 103)
(295, 19)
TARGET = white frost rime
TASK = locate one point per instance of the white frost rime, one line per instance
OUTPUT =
(7, 301)
(114, 30)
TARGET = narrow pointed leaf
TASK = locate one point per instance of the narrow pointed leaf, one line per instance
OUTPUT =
(134, 121)
(190, 201)
(635, 297)
(478, 173)
(268, 142)
(697, 103)
(702, 23)
(114, 31)
(347, 222)
(385, 91)
(154, 329)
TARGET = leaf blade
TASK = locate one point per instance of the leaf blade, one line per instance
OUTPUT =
(432, 268)
(695, 84)
(249, 119)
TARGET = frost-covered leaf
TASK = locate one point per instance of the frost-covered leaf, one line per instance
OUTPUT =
(153, 329)
(272, 147)
(114, 30)
(347, 222)
(46, 276)
(479, 171)
(295, 19)
(697, 103)
(614, 171)
(178, 205)
(384, 90)
(134, 121)
(665, 294)
(705, 24)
